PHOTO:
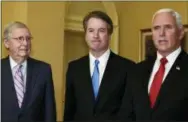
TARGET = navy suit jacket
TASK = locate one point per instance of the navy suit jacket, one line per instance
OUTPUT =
(38, 103)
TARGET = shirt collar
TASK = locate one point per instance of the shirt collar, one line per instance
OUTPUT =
(13, 63)
(171, 57)
(102, 59)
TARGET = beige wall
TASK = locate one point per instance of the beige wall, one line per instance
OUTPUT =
(13, 11)
(134, 16)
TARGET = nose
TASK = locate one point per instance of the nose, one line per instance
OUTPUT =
(162, 32)
(96, 34)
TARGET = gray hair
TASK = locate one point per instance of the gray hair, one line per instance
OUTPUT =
(173, 12)
(11, 26)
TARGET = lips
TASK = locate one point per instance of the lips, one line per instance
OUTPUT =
(162, 41)
(96, 41)
(23, 49)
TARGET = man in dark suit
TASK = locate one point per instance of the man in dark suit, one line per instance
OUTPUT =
(27, 92)
(158, 87)
(95, 83)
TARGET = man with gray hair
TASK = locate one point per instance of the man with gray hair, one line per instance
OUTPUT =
(158, 87)
(27, 92)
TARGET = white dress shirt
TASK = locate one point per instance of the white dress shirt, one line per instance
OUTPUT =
(23, 69)
(171, 59)
(102, 64)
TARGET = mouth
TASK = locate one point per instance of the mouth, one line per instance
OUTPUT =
(24, 50)
(96, 41)
(162, 41)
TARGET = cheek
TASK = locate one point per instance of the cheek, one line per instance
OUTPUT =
(105, 37)
(172, 38)
(154, 36)
(29, 45)
(15, 47)
(88, 37)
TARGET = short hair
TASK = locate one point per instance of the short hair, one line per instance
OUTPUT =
(11, 26)
(173, 12)
(100, 15)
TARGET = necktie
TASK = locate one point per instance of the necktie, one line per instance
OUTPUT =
(157, 81)
(95, 78)
(19, 84)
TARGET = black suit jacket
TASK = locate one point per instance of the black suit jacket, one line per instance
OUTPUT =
(80, 104)
(172, 101)
(38, 103)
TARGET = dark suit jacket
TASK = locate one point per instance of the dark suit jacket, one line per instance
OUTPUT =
(80, 104)
(172, 101)
(39, 101)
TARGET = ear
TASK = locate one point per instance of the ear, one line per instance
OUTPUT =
(6, 43)
(181, 33)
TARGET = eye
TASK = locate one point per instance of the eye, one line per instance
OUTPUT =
(90, 30)
(168, 26)
(20, 38)
(102, 30)
(156, 27)
(29, 38)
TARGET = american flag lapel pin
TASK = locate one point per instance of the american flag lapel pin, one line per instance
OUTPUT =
(177, 67)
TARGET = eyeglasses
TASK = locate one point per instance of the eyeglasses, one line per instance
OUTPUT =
(21, 38)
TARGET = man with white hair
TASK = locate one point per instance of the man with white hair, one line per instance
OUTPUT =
(158, 87)
(27, 90)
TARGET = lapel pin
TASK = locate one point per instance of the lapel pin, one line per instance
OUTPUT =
(177, 67)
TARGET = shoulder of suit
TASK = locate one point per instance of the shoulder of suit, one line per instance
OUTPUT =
(4, 59)
(121, 59)
(38, 62)
(79, 60)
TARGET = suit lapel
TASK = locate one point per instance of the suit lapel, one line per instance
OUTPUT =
(87, 78)
(148, 66)
(171, 79)
(30, 82)
(146, 75)
(10, 85)
(107, 84)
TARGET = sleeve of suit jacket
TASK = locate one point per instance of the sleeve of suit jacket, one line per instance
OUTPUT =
(50, 107)
(70, 105)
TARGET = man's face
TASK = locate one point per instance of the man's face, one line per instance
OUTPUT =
(97, 36)
(166, 34)
(19, 43)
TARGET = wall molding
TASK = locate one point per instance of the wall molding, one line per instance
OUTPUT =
(74, 23)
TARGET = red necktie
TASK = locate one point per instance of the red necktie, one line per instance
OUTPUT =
(157, 81)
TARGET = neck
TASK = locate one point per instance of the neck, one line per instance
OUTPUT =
(19, 60)
(166, 53)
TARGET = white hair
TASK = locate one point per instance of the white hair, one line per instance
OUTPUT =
(174, 13)
(11, 26)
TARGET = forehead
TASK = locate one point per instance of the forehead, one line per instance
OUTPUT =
(20, 32)
(96, 23)
(164, 18)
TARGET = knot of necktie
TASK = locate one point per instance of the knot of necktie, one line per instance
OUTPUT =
(96, 62)
(163, 61)
(18, 68)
